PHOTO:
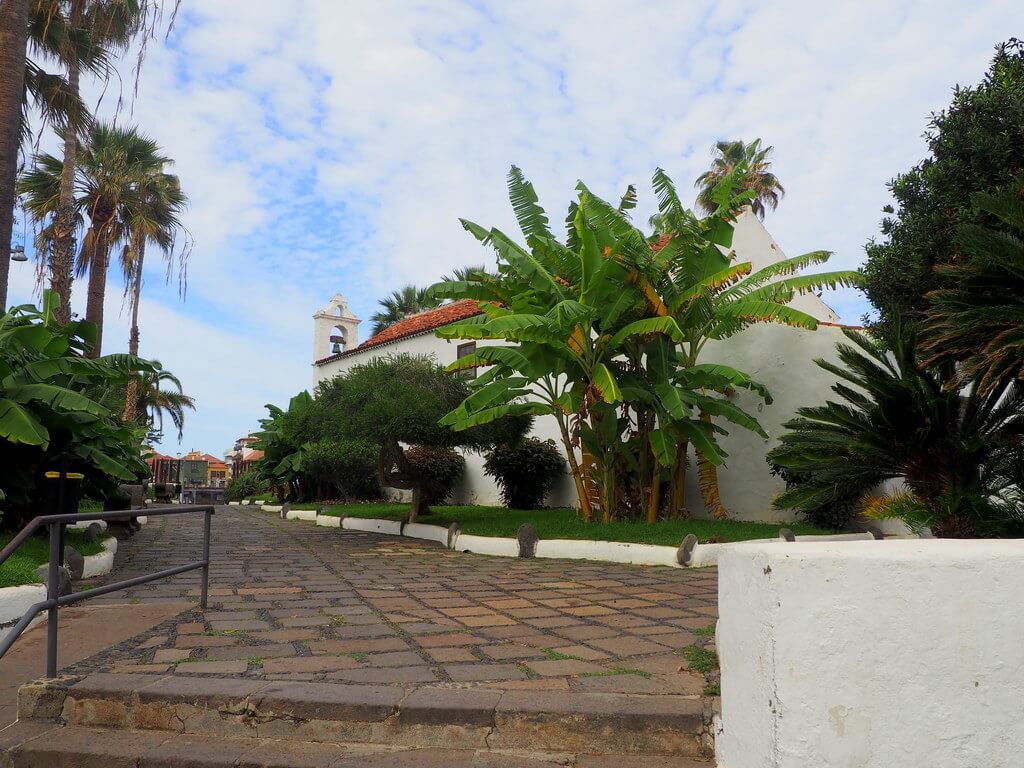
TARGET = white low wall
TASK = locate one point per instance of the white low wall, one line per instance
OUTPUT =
(608, 551)
(14, 601)
(309, 515)
(428, 532)
(486, 545)
(872, 654)
(392, 527)
(328, 521)
(102, 562)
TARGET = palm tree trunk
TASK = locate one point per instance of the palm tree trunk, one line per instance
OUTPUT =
(97, 289)
(62, 259)
(13, 39)
(131, 393)
(677, 494)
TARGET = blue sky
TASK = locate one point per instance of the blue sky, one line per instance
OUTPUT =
(332, 146)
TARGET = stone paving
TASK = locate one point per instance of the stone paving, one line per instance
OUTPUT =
(290, 601)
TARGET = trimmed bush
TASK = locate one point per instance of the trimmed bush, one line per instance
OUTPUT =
(438, 469)
(525, 471)
(344, 469)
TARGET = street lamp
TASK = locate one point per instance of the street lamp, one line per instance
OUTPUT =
(18, 253)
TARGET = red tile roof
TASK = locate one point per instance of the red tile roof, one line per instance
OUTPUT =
(414, 325)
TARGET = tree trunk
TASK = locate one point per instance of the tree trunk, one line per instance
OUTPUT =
(586, 507)
(13, 38)
(419, 503)
(707, 473)
(131, 392)
(97, 289)
(677, 493)
(62, 258)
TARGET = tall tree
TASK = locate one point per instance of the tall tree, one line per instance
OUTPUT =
(116, 166)
(748, 166)
(153, 218)
(13, 42)
(401, 303)
(975, 145)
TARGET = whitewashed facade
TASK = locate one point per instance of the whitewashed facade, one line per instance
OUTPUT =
(781, 358)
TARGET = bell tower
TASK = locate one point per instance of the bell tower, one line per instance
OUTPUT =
(335, 329)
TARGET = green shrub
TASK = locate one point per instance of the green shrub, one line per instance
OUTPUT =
(343, 469)
(244, 486)
(525, 471)
(438, 470)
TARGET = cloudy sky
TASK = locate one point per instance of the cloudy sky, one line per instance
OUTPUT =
(332, 145)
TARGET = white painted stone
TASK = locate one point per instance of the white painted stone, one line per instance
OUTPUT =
(142, 520)
(309, 515)
(234, 503)
(271, 507)
(872, 654)
(391, 527)
(486, 545)
(705, 555)
(428, 532)
(14, 601)
(81, 526)
(328, 521)
(102, 562)
(608, 551)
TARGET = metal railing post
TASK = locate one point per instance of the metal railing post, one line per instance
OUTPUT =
(204, 584)
(52, 593)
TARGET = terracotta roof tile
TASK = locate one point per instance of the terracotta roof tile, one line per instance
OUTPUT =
(414, 325)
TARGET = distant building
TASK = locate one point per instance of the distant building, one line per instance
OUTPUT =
(202, 469)
(244, 456)
(164, 469)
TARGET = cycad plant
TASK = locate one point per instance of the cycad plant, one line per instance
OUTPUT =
(896, 418)
(979, 320)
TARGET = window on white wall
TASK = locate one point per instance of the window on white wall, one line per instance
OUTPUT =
(464, 350)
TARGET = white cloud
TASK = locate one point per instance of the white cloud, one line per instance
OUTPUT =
(333, 146)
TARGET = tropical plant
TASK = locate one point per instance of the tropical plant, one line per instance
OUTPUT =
(47, 414)
(401, 303)
(284, 439)
(119, 171)
(746, 167)
(976, 145)
(978, 321)
(243, 486)
(396, 401)
(159, 394)
(957, 451)
(712, 297)
(525, 471)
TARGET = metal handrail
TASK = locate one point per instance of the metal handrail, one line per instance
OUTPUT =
(53, 601)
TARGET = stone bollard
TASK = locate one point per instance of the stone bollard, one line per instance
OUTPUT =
(74, 561)
(528, 538)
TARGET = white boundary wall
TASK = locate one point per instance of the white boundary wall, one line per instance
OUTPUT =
(872, 655)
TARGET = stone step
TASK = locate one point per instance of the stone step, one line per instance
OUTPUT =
(448, 717)
(35, 744)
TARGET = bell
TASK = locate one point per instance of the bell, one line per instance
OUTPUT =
(336, 349)
(18, 253)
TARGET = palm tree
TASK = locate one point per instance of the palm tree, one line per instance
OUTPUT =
(13, 41)
(153, 218)
(116, 168)
(160, 393)
(957, 450)
(401, 303)
(979, 320)
(755, 177)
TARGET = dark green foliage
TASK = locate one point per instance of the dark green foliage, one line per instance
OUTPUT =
(283, 439)
(438, 468)
(976, 145)
(958, 451)
(979, 320)
(525, 471)
(48, 410)
(343, 469)
(245, 485)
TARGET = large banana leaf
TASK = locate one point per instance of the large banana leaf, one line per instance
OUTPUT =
(18, 425)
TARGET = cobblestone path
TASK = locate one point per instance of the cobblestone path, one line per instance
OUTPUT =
(292, 601)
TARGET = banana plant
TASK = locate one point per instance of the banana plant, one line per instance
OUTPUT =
(713, 297)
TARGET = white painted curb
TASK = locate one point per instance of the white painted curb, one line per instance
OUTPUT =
(14, 601)
(234, 503)
(85, 524)
(486, 545)
(864, 536)
(428, 532)
(271, 507)
(608, 551)
(392, 527)
(309, 515)
(102, 562)
(328, 521)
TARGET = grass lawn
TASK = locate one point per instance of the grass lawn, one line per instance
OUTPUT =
(35, 552)
(566, 524)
